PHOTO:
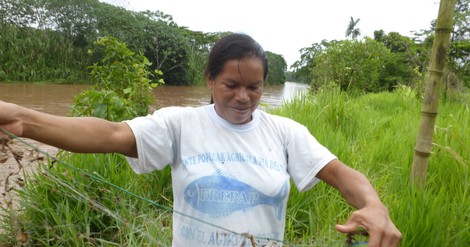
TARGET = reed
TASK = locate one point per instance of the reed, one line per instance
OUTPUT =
(373, 133)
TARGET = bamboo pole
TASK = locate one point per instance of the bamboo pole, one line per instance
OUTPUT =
(431, 94)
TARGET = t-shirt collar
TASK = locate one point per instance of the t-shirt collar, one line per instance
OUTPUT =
(235, 127)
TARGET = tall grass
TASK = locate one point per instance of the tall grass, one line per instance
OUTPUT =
(81, 205)
(374, 133)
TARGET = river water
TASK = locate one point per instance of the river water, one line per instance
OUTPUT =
(57, 98)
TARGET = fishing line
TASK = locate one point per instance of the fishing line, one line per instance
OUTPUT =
(168, 209)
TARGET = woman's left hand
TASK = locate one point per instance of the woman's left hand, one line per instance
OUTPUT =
(376, 221)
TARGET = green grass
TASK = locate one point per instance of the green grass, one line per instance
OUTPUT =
(64, 206)
(373, 133)
(376, 135)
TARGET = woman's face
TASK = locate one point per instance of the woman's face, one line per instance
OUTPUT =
(237, 89)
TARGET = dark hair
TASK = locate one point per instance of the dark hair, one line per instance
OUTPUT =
(234, 46)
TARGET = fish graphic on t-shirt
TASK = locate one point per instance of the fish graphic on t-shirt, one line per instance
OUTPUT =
(221, 195)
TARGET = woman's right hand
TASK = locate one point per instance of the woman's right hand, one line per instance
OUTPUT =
(10, 123)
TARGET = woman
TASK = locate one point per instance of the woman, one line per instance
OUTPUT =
(231, 163)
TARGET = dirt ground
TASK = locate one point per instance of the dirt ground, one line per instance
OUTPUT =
(16, 160)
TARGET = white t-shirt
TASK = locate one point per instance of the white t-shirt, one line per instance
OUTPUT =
(229, 181)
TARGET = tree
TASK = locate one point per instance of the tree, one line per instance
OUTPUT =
(277, 68)
(352, 30)
(168, 50)
(407, 61)
(351, 64)
(459, 50)
(152, 33)
(17, 13)
(461, 30)
(306, 63)
(199, 46)
(458, 57)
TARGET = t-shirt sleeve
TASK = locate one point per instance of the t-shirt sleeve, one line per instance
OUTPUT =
(306, 157)
(155, 142)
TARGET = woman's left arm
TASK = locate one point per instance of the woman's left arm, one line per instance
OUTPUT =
(371, 213)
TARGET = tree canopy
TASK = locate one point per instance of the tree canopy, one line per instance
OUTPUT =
(48, 40)
(386, 60)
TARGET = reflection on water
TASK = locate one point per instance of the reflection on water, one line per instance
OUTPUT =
(57, 98)
(276, 95)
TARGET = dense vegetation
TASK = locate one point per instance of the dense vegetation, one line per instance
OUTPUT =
(47, 40)
(385, 61)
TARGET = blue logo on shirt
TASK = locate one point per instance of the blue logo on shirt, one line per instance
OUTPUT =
(221, 195)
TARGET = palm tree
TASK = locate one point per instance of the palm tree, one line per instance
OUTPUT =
(352, 30)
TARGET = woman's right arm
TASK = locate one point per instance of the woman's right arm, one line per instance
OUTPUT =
(76, 134)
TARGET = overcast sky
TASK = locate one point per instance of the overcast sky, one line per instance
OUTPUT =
(284, 27)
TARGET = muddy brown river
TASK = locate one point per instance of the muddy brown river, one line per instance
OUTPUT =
(57, 98)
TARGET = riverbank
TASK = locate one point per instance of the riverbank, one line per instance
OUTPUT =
(18, 159)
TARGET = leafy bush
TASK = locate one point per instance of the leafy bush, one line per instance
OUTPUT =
(352, 65)
(123, 88)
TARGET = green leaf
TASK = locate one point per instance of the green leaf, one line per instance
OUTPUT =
(127, 90)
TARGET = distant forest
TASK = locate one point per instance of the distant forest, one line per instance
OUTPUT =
(50, 40)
